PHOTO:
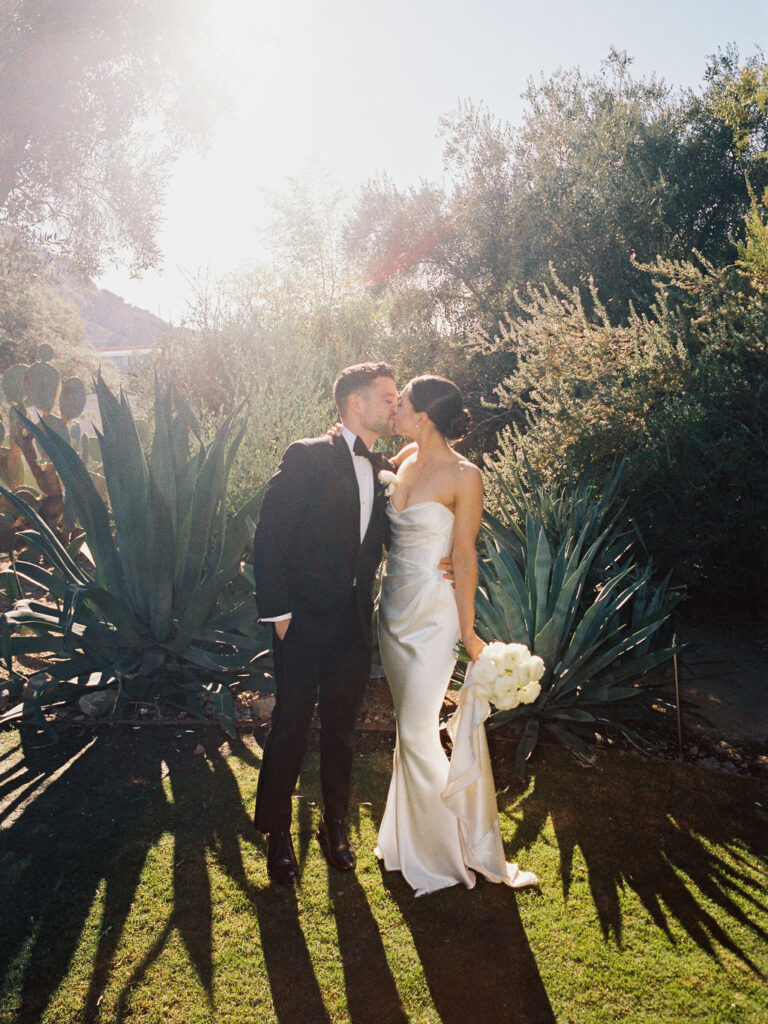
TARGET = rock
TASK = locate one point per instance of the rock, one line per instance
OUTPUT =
(264, 707)
(729, 766)
(98, 704)
(693, 751)
(36, 682)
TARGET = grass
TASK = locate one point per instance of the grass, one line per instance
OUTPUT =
(134, 890)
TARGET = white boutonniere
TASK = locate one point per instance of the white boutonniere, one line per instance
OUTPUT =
(389, 480)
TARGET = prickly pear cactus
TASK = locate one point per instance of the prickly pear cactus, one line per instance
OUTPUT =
(38, 385)
(41, 383)
(72, 399)
(13, 383)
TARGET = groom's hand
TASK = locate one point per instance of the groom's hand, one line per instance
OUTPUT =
(446, 568)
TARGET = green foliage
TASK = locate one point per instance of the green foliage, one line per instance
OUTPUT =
(35, 312)
(167, 610)
(739, 94)
(679, 394)
(601, 167)
(559, 577)
(79, 172)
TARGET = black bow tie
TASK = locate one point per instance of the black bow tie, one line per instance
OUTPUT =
(376, 460)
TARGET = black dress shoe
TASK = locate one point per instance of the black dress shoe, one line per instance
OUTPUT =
(335, 844)
(281, 860)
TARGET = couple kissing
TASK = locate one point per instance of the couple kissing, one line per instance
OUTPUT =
(325, 521)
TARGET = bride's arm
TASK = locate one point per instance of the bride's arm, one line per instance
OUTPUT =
(468, 511)
(405, 451)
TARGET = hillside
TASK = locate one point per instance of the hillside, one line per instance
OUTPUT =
(111, 323)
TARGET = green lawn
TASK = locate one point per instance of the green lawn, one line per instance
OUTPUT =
(134, 890)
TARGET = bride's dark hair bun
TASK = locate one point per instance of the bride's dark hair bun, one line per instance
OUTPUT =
(441, 400)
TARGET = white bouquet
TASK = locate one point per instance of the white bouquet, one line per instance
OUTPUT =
(506, 675)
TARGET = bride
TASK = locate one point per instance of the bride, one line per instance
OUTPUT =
(433, 832)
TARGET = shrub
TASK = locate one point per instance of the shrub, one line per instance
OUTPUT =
(680, 395)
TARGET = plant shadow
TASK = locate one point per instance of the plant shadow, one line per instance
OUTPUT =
(88, 811)
(653, 827)
(83, 822)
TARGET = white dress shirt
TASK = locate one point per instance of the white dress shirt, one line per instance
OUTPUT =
(364, 473)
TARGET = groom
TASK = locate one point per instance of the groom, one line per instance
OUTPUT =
(316, 550)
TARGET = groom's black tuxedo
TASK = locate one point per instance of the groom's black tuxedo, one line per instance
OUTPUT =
(307, 555)
(308, 560)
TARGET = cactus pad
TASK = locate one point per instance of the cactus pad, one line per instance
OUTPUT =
(72, 398)
(13, 383)
(42, 384)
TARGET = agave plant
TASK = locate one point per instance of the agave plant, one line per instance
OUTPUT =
(567, 587)
(167, 610)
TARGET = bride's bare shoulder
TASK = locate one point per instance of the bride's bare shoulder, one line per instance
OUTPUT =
(466, 474)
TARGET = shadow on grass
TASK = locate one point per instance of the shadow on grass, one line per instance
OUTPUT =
(85, 816)
(87, 813)
(651, 826)
(475, 954)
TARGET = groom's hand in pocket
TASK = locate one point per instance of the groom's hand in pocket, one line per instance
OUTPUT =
(281, 627)
(446, 568)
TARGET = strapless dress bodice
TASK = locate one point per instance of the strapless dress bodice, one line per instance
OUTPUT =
(422, 534)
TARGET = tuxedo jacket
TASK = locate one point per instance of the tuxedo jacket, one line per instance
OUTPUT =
(307, 556)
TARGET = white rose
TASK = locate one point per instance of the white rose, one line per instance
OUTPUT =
(483, 677)
(494, 652)
(529, 693)
(506, 694)
(514, 656)
(389, 479)
(535, 668)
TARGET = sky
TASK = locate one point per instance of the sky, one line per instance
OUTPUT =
(355, 89)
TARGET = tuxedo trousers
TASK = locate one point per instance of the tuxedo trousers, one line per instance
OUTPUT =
(335, 675)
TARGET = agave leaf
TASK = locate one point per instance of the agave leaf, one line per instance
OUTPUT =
(198, 522)
(531, 544)
(23, 645)
(200, 657)
(574, 743)
(11, 585)
(127, 476)
(162, 465)
(571, 714)
(542, 569)
(234, 640)
(40, 577)
(119, 613)
(595, 620)
(526, 745)
(546, 644)
(591, 667)
(490, 621)
(225, 709)
(45, 539)
(557, 579)
(86, 504)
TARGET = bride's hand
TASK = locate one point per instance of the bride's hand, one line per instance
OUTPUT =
(405, 451)
(335, 430)
(474, 646)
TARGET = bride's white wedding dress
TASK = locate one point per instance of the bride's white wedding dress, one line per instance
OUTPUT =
(441, 821)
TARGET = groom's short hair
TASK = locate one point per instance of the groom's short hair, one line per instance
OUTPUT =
(357, 378)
